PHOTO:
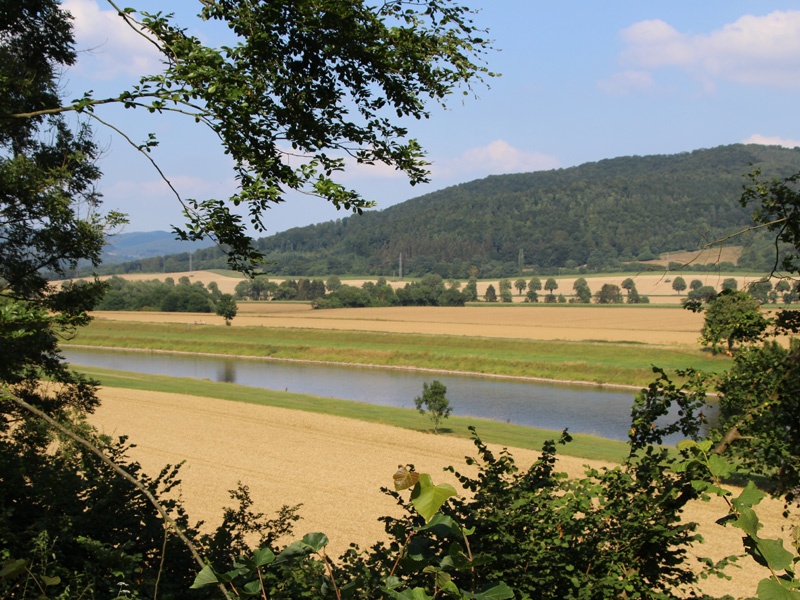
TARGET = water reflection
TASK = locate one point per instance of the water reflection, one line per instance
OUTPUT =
(581, 409)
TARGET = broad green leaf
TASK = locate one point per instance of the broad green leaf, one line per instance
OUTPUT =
(719, 467)
(769, 589)
(442, 579)
(428, 498)
(777, 557)
(205, 577)
(750, 496)
(440, 520)
(263, 556)
(294, 550)
(748, 522)
(317, 541)
(686, 444)
(415, 594)
(13, 567)
(499, 591)
(48, 581)
(252, 588)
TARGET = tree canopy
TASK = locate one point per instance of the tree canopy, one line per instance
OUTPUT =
(322, 86)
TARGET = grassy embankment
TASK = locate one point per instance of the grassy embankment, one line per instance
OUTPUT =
(592, 362)
(582, 446)
(580, 361)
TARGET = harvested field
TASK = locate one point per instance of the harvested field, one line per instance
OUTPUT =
(649, 325)
(332, 465)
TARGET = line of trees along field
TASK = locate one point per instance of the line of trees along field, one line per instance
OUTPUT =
(79, 519)
(598, 216)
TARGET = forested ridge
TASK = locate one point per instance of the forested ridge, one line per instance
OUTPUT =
(597, 215)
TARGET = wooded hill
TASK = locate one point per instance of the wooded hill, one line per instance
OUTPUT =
(597, 216)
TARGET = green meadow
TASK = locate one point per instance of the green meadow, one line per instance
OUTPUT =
(592, 362)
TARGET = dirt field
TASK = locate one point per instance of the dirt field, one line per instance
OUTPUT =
(333, 466)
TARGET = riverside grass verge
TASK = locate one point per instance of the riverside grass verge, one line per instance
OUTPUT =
(596, 362)
(582, 446)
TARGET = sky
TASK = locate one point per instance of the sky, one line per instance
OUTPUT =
(580, 81)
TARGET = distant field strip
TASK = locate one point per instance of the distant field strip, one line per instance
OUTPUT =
(595, 362)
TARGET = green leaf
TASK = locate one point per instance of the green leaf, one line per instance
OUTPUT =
(294, 550)
(317, 541)
(428, 498)
(262, 557)
(48, 581)
(769, 589)
(440, 520)
(777, 557)
(748, 522)
(750, 496)
(252, 588)
(719, 467)
(205, 577)
(13, 567)
(415, 594)
(499, 591)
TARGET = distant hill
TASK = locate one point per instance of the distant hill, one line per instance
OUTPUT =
(125, 247)
(595, 216)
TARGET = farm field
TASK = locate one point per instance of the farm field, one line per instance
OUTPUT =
(334, 466)
(642, 324)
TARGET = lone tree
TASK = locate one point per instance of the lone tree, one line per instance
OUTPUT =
(679, 284)
(226, 308)
(521, 285)
(490, 295)
(732, 317)
(434, 402)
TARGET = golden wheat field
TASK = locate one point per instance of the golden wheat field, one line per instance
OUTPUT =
(336, 466)
(333, 466)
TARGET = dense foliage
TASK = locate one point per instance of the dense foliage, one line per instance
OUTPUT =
(167, 296)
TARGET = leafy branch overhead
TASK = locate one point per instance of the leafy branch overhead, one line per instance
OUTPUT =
(315, 88)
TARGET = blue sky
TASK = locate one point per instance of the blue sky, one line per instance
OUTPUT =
(581, 81)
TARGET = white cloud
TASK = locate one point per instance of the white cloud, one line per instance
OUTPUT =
(772, 140)
(108, 46)
(753, 50)
(495, 158)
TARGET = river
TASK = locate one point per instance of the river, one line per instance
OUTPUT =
(581, 409)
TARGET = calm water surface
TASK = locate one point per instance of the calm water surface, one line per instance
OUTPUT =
(582, 409)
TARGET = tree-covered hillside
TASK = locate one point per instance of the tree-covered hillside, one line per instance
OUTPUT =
(596, 215)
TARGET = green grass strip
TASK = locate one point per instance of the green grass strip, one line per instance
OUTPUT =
(582, 446)
(595, 362)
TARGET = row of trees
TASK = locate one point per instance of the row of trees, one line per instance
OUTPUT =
(762, 290)
(167, 296)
